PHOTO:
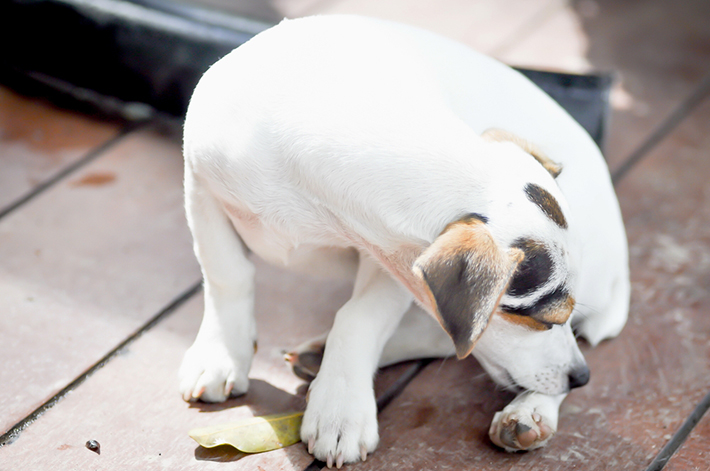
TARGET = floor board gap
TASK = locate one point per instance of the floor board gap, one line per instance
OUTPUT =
(387, 397)
(681, 434)
(15, 431)
(681, 112)
(92, 155)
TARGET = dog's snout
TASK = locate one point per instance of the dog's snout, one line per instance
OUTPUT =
(579, 377)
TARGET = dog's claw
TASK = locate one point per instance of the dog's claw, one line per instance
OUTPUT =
(198, 393)
(363, 453)
(329, 460)
(305, 360)
(506, 438)
(311, 445)
(339, 460)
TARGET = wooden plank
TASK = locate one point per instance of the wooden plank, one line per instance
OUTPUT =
(133, 409)
(38, 140)
(657, 50)
(86, 264)
(694, 455)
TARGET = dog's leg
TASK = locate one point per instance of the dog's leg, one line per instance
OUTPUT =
(528, 422)
(340, 423)
(417, 336)
(606, 322)
(216, 365)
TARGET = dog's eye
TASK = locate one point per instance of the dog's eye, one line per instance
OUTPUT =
(534, 271)
(552, 308)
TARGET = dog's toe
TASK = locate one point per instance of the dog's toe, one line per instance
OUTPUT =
(305, 359)
(520, 430)
(340, 424)
(210, 375)
(525, 435)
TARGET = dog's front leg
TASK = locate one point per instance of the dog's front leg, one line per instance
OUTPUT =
(216, 365)
(528, 422)
(340, 423)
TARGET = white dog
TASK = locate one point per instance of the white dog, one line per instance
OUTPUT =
(359, 146)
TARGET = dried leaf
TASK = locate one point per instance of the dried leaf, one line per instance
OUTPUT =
(253, 435)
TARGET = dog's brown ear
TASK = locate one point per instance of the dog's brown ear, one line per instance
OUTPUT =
(499, 135)
(465, 273)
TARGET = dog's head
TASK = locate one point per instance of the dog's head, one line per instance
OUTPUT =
(503, 281)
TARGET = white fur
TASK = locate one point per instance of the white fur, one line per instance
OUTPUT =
(326, 134)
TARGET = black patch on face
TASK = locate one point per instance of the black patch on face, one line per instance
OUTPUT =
(559, 295)
(547, 203)
(533, 271)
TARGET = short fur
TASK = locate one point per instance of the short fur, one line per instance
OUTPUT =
(354, 146)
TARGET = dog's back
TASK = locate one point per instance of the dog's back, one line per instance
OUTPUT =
(273, 114)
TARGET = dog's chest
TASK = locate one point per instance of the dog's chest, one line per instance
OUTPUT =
(285, 242)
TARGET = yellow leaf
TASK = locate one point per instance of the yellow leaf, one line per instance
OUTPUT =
(253, 435)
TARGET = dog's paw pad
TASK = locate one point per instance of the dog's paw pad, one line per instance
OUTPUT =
(520, 430)
(305, 360)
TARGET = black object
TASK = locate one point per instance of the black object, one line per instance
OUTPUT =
(151, 51)
(94, 446)
(585, 97)
(125, 54)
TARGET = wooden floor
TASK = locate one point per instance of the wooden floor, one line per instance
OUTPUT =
(100, 297)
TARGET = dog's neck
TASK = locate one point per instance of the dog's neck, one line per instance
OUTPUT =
(399, 264)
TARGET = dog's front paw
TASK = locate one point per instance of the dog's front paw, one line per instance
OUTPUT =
(211, 373)
(518, 427)
(340, 423)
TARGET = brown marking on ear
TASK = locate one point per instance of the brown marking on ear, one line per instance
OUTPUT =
(499, 135)
(547, 203)
(465, 274)
(525, 321)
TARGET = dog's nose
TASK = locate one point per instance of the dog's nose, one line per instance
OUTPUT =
(579, 377)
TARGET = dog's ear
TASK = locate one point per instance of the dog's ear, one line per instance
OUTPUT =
(465, 273)
(499, 135)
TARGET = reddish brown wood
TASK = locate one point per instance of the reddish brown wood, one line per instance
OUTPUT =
(38, 140)
(83, 266)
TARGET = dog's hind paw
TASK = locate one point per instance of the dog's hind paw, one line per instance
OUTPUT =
(519, 429)
(210, 373)
(305, 359)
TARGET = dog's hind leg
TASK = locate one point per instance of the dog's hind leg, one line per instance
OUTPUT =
(528, 422)
(216, 365)
(606, 321)
(418, 335)
(305, 359)
(340, 422)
